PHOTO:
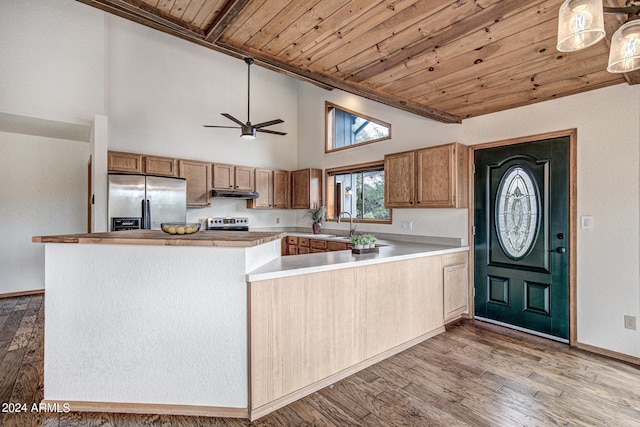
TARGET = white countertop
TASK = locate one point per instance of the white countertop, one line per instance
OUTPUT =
(293, 265)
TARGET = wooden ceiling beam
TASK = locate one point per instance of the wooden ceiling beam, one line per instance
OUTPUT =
(227, 15)
(356, 89)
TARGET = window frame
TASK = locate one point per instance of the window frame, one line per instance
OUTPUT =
(329, 128)
(330, 190)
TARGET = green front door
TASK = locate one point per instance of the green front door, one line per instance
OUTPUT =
(521, 238)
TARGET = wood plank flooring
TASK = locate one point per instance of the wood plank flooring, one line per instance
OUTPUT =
(472, 375)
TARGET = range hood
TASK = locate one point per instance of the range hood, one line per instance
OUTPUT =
(234, 194)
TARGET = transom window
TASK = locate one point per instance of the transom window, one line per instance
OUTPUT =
(358, 190)
(346, 129)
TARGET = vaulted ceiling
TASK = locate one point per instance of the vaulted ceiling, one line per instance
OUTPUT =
(446, 60)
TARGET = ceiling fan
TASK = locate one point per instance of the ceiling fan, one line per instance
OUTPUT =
(249, 130)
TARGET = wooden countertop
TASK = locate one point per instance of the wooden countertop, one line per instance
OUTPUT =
(238, 239)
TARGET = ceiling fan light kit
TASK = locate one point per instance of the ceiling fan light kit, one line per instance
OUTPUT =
(581, 24)
(247, 130)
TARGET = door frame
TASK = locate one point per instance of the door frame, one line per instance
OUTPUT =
(573, 217)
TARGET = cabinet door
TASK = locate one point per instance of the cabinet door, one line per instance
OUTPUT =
(399, 180)
(223, 176)
(306, 188)
(244, 178)
(280, 189)
(124, 162)
(198, 176)
(163, 166)
(456, 285)
(264, 187)
(436, 177)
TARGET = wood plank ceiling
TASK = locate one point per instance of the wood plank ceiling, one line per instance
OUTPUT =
(446, 60)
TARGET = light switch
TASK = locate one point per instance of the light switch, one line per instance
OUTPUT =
(587, 221)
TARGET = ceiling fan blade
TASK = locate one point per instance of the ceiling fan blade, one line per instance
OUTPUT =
(271, 131)
(264, 124)
(233, 119)
(225, 127)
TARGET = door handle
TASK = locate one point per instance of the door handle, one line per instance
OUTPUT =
(559, 249)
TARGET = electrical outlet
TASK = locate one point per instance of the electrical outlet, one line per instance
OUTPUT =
(630, 322)
(407, 225)
(277, 220)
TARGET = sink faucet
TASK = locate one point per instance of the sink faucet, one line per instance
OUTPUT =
(352, 229)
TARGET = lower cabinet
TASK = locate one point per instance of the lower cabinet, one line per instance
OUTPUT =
(455, 275)
(309, 330)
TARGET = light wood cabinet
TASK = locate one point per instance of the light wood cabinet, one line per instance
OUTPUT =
(434, 177)
(306, 188)
(272, 187)
(400, 179)
(198, 176)
(118, 161)
(281, 189)
(264, 188)
(443, 177)
(162, 166)
(455, 273)
(231, 177)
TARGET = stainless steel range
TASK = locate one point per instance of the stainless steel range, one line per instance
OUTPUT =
(228, 223)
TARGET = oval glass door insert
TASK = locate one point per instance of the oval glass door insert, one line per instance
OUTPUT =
(517, 212)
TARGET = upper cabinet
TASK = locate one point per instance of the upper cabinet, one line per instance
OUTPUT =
(434, 177)
(306, 188)
(272, 187)
(281, 189)
(400, 180)
(231, 177)
(164, 166)
(198, 176)
(124, 162)
(118, 161)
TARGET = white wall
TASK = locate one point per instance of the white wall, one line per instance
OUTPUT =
(52, 60)
(43, 186)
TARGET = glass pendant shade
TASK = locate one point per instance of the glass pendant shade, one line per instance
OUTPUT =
(624, 55)
(580, 24)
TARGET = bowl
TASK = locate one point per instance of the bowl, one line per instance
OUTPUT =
(180, 227)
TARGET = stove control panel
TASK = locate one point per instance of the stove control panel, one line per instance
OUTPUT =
(227, 222)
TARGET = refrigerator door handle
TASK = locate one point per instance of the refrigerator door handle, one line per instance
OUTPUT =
(148, 215)
(144, 216)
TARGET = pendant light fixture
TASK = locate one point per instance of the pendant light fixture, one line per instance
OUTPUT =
(581, 24)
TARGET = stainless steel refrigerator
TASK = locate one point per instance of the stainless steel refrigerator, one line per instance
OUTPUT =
(139, 201)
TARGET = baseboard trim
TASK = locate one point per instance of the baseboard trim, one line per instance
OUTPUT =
(609, 353)
(263, 410)
(151, 408)
(22, 293)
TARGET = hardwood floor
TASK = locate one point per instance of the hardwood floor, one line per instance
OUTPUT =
(472, 375)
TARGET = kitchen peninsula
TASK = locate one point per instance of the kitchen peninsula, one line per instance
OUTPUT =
(219, 324)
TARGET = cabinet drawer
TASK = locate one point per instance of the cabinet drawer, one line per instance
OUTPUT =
(292, 241)
(315, 251)
(303, 241)
(303, 250)
(337, 246)
(318, 244)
